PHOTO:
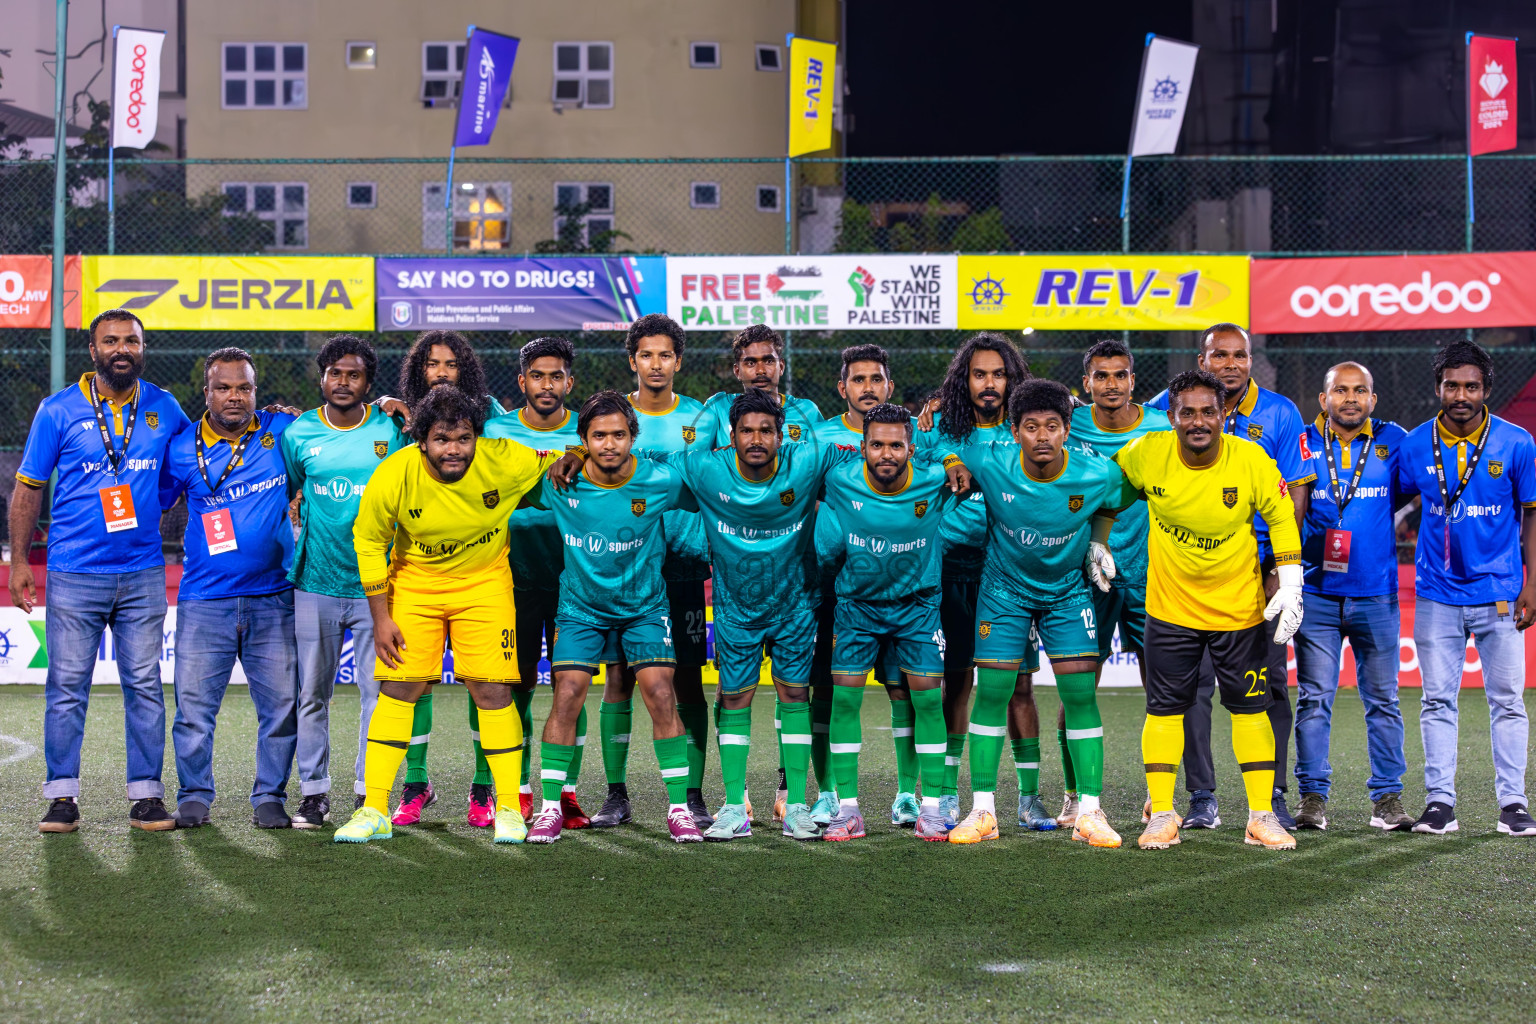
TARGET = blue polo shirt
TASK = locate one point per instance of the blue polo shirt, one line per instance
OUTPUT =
(1368, 516)
(1481, 565)
(250, 510)
(65, 438)
(1273, 422)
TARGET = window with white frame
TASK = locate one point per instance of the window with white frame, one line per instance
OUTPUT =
(282, 204)
(704, 195)
(362, 55)
(442, 71)
(768, 198)
(362, 195)
(583, 213)
(704, 55)
(270, 76)
(584, 74)
(482, 215)
(768, 58)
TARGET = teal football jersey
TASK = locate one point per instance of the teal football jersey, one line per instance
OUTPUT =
(837, 430)
(760, 533)
(536, 553)
(675, 431)
(801, 418)
(1040, 529)
(963, 559)
(330, 466)
(1128, 540)
(890, 542)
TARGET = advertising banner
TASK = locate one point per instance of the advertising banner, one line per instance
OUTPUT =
(487, 75)
(26, 287)
(1491, 90)
(598, 293)
(812, 74)
(135, 86)
(233, 293)
(1393, 293)
(1167, 72)
(833, 292)
(1093, 292)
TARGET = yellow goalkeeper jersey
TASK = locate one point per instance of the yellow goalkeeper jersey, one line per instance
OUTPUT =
(408, 520)
(1203, 566)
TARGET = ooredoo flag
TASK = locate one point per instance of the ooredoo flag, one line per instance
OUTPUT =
(1167, 73)
(135, 86)
(1491, 91)
(812, 74)
(487, 74)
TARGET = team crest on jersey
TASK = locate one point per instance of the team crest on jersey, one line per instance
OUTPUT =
(1229, 497)
(1495, 469)
(381, 448)
(267, 440)
(1075, 503)
(920, 508)
(1255, 432)
(688, 435)
(794, 431)
(984, 630)
(787, 498)
(637, 506)
(491, 498)
(153, 419)
(1381, 451)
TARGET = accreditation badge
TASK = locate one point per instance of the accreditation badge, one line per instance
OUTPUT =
(219, 529)
(117, 508)
(1336, 551)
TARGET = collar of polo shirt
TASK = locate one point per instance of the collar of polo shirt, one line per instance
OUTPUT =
(210, 438)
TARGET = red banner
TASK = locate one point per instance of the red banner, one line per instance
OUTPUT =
(1491, 91)
(1393, 293)
(25, 286)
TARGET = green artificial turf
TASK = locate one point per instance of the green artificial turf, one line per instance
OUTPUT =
(229, 923)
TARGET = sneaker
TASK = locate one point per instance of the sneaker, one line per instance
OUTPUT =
(615, 809)
(63, 816)
(312, 811)
(977, 827)
(780, 804)
(1033, 815)
(366, 824)
(1068, 816)
(270, 814)
(1202, 810)
(849, 824)
(575, 817)
(417, 797)
(731, 822)
(905, 810)
(1438, 819)
(1093, 828)
(931, 826)
(150, 815)
(1281, 812)
(679, 822)
(510, 826)
(825, 808)
(949, 807)
(525, 803)
(1387, 813)
(482, 806)
(546, 826)
(700, 810)
(798, 823)
(1515, 820)
(191, 814)
(1161, 832)
(1264, 829)
(1313, 812)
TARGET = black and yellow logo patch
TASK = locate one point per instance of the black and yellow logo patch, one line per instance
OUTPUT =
(984, 629)
(920, 508)
(1075, 503)
(1255, 432)
(1495, 469)
(1381, 451)
(637, 506)
(381, 448)
(491, 498)
(267, 440)
(1229, 497)
(793, 430)
(787, 498)
(688, 435)
(153, 419)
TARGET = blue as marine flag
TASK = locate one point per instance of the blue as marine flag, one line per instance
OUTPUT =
(487, 75)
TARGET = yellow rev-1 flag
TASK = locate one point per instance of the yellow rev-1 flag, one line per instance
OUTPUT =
(233, 293)
(812, 75)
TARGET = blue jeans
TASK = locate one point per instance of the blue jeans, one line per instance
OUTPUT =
(210, 635)
(80, 606)
(1372, 626)
(319, 623)
(1440, 632)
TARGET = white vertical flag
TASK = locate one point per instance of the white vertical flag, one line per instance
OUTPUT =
(135, 86)
(1167, 74)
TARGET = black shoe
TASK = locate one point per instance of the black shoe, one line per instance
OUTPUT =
(191, 814)
(1313, 812)
(1515, 820)
(1438, 819)
(63, 816)
(699, 809)
(150, 815)
(312, 811)
(615, 809)
(358, 800)
(1202, 810)
(271, 815)
(1277, 804)
(1387, 814)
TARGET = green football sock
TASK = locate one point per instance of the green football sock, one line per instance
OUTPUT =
(821, 730)
(524, 701)
(482, 766)
(1026, 761)
(1068, 775)
(672, 756)
(778, 733)
(554, 765)
(928, 734)
(796, 719)
(733, 731)
(902, 719)
(846, 738)
(1085, 730)
(989, 724)
(954, 747)
(581, 746)
(421, 732)
(696, 728)
(613, 724)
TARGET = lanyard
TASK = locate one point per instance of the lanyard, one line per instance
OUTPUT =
(1472, 461)
(1343, 498)
(1229, 423)
(202, 459)
(114, 457)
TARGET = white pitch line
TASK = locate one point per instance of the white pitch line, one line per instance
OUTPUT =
(23, 750)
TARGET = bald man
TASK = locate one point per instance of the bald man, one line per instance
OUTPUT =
(1349, 557)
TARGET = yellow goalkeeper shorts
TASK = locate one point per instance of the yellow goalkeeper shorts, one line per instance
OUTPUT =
(474, 613)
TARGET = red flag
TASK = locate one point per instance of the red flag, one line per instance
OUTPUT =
(1491, 90)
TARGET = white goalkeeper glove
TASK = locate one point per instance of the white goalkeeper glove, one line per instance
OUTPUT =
(1285, 607)
(1099, 565)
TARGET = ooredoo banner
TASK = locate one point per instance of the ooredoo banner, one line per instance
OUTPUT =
(234, 293)
(26, 287)
(1394, 293)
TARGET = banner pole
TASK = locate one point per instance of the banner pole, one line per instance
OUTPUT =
(789, 223)
(56, 336)
(1471, 212)
(112, 156)
(453, 148)
(1125, 207)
